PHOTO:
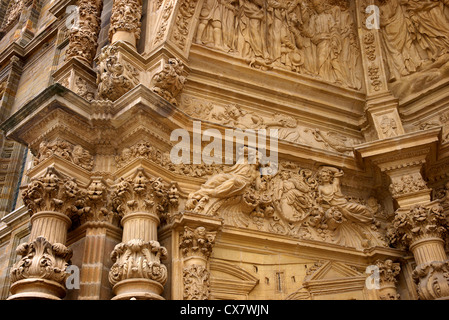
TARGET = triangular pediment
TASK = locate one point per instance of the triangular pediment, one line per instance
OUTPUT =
(332, 271)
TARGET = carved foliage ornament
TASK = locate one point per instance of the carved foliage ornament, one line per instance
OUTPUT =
(115, 77)
(197, 242)
(41, 259)
(432, 280)
(420, 222)
(138, 259)
(52, 192)
(142, 193)
(126, 15)
(61, 148)
(83, 38)
(169, 82)
(196, 280)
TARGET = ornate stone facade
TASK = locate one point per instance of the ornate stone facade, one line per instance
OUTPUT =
(224, 149)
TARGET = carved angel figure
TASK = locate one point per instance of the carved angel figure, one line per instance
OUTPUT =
(231, 182)
(330, 195)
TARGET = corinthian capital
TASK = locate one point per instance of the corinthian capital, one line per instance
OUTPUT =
(197, 242)
(52, 192)
(143, 193)
(417, 223)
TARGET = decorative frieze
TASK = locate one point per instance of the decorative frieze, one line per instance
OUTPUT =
(65, 150)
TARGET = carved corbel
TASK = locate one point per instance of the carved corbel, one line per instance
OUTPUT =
(115, 75)
(169, 82)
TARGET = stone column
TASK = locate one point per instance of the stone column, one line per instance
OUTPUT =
(422, 229)
(388, 272)
(84, 33)
(40, 273)
(137, 272)
(125, 21)
(100, 225)
(196, 246)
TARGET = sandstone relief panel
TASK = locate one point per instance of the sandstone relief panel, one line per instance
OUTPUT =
(295, 202)
(415, 41)
(289, 127)
(314, 38)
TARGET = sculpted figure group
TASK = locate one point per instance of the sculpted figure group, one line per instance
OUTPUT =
(415, 35)
(312, 37)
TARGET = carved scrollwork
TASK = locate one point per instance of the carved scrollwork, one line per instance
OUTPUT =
(432, 279)
(196, 280)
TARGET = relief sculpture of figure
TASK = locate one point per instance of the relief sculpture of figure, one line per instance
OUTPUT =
(211, 13)
(232, 182)
(402, 55)
(292, 197)
(431, 28)
(330, 195)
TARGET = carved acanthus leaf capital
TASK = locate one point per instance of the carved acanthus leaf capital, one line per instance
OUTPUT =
(418, 223)
(197, 242)
(52, 192)
(43, 260)
(143, 193)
